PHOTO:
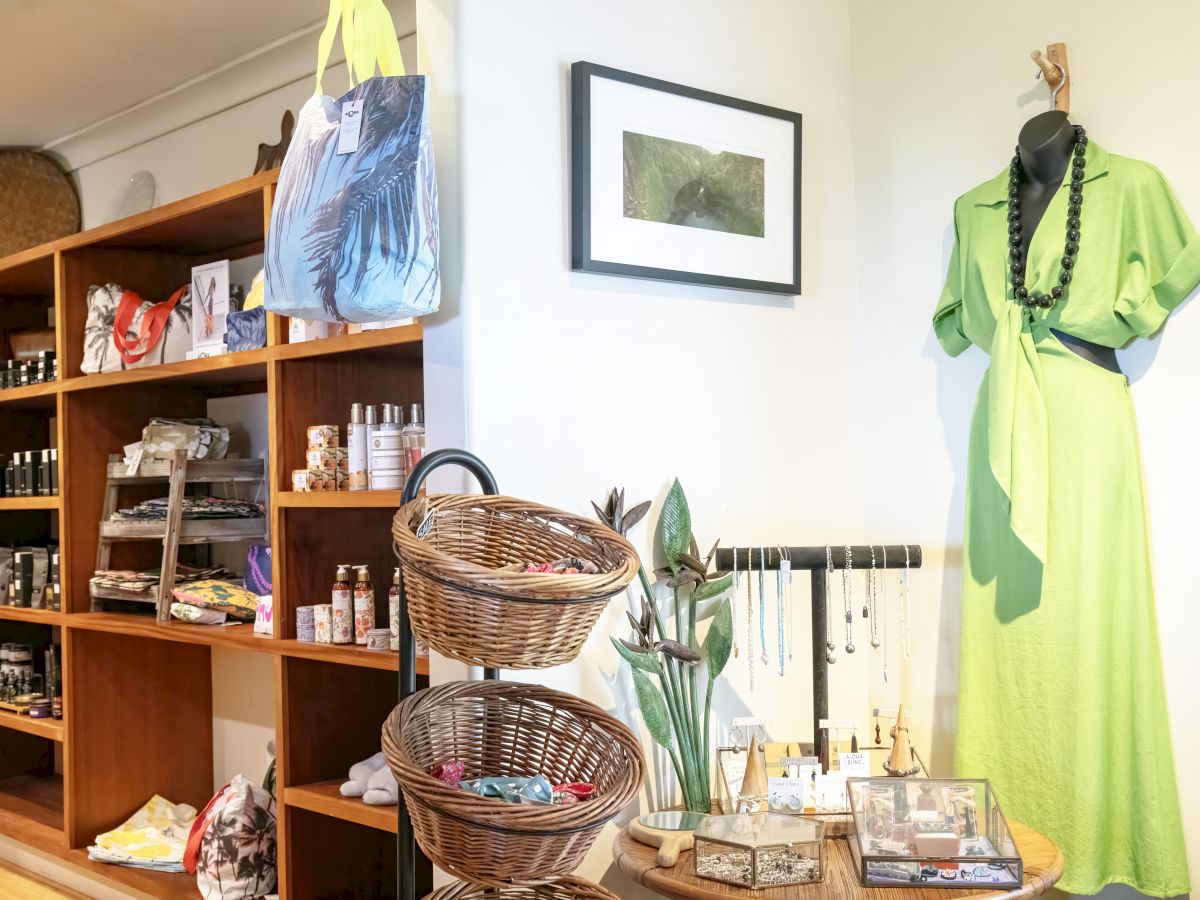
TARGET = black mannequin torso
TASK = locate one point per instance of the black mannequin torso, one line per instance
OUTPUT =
(1045, 145)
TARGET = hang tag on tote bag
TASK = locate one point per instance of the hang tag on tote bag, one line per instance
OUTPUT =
(350, 127)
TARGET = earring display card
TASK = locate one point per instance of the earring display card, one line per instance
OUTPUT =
(933, 832)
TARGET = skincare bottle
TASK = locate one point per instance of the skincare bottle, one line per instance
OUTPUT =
(342, 621)
(372, 430)
(364, 606)
(394, 609)
(413, 438)
(356, 453)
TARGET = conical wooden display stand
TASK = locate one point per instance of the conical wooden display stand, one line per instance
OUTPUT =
(408, 725)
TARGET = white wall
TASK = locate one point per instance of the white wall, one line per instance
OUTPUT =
(578, 382)
(940, 93)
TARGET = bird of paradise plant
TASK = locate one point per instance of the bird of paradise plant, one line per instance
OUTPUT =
(666, 670)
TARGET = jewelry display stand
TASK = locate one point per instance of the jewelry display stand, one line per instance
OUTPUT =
(818, 560)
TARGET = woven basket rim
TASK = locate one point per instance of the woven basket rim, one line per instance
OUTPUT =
(488, 811)
(497, 595)
(461, 573)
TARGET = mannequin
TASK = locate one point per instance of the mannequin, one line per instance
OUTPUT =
(1045, 145)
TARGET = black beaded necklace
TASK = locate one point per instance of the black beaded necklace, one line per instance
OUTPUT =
(1016, 266)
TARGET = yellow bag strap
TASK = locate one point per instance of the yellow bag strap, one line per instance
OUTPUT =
(368, 38)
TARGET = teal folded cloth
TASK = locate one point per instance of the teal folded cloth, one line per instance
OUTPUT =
(511, 790)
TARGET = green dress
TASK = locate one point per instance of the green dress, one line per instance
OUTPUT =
(1061, 700)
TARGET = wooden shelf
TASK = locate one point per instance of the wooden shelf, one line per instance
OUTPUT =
(191, 531)
(145, 883)
(28, 614)
(31, 396)
(28, 272)
(325, 797)
(229, 218)
(45, 728)
(239, 637)
(339, 499)
(51, 502)
(352, 343)
(245, 367)
(31, 809)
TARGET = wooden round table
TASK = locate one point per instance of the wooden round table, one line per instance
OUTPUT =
(1043, 867)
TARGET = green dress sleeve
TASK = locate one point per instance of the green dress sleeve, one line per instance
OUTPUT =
(947, 320)
(1163, 265)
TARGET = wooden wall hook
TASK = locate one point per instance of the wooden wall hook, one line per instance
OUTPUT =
(1049, 62)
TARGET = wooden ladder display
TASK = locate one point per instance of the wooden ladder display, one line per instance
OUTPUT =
(174, 531)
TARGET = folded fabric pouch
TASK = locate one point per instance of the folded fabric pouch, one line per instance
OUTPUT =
(222, 596)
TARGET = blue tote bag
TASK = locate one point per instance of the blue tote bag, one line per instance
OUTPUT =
(354, 230)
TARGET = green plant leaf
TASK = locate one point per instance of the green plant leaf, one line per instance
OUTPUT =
(706, 590)
(647, 662)
(719, 640)
(654, 709)
(674, 526)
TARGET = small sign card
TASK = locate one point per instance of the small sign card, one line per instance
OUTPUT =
(210, 306)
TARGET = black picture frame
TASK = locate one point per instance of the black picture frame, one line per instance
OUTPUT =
(582, 73)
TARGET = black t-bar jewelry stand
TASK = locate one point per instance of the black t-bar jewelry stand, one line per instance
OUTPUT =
(749, 559)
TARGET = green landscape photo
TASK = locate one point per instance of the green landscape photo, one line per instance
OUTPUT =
(678, 183)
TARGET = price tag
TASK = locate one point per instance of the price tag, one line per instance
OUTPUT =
(426, 526)
(350, 127)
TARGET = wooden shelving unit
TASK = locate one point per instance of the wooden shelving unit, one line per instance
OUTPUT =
(137, 693)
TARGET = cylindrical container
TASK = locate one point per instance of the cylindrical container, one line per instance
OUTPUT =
(356, 457)
(323, 623)
(343, 608)
(372, 430)
(394, 610)
(414, 438)
(364, 606)
(377, 639)
(305, 625)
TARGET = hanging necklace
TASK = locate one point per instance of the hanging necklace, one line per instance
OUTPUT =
(905, 610)
(785, 566)
(846, 572)
(883, 591)
(780, 609)
(829, 645)
(762, 605)
(873, 599)
(1016, 268)
(733, 602)
(750, 616)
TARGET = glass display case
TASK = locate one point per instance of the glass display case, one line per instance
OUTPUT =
(936, 832)
(760, 850)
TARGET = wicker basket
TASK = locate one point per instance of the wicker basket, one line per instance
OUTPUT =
(504, 728)
(565, 889)
(462, 607)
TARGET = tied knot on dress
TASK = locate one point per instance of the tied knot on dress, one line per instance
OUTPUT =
(1017, 430)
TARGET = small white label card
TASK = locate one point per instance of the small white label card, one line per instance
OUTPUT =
(789, 794)
(350, 127)
(855, 765)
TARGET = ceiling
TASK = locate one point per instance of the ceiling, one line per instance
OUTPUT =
(69, 63)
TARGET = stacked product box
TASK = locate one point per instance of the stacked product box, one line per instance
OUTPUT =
(325, 462)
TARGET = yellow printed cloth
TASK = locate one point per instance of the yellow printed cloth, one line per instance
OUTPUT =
(154, 837)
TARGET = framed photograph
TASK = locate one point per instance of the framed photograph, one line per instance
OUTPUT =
(678, 184)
